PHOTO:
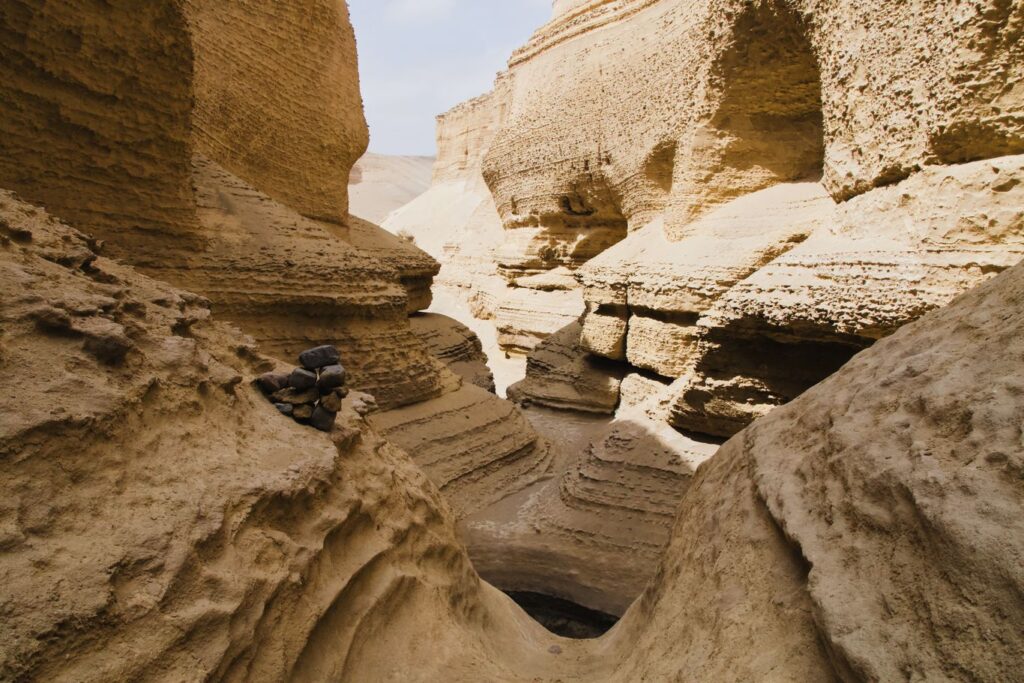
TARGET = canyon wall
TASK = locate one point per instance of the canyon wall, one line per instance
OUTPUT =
(258, 65)
(73, 138)
(227, 189)
(750, 194)
(162, 521)
(159, 520)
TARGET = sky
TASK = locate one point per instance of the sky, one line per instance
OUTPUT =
(419, 58)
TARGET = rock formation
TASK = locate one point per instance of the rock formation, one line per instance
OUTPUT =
(295, 148)
(253, 558)
(456, 346)
(160, 520)
(748, 228)
(265, 237)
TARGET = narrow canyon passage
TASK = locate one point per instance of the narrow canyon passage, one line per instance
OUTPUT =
(691, 350)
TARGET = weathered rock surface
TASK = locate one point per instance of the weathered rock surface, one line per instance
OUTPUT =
(256, 66)
(263, 230)
(797, 187)
(90, 131)
(595, 534)
(560, 375)
(456, 346)
(160, 521)
(293, 283)
(476, 447)
(911, 454)
(456, 222)
(893, 488)
(766, 99)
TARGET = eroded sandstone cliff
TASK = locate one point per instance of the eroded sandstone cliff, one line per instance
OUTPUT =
(259, 225)
(160, 521)
(744, 216)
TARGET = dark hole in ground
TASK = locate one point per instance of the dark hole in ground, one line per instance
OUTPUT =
(562, 617)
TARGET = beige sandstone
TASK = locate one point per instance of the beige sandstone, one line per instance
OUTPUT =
(747, 216)
(456, 222)
(456, 346)
(866, 530)
(254, 114)
(160, 521)
(265, 238)
(560, 375)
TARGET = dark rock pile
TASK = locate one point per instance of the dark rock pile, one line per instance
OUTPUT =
(310, 394)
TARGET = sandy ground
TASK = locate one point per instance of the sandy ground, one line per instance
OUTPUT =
(380, 183)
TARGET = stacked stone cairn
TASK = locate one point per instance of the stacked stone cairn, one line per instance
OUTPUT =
(310, 394)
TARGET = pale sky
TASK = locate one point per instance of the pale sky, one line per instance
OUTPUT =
(419, 58)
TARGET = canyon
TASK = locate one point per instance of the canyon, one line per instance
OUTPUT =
(753, 264)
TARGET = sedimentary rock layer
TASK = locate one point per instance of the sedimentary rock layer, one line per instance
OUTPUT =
(456, 222)
(294, 282)
(258, 65)
(560, 375)
(475, 447)
(799, 180)
(99, 130)
(455, 345)
(596, 534)
(765, 99)
(314, 560)
(161, 520)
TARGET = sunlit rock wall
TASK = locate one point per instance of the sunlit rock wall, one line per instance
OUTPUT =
(770, 139)
(788, 182)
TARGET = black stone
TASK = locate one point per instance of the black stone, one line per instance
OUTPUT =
(272, 382)
(300, 379)
(323, 419)
(320, 357)
(285, 408)
(331, 378)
